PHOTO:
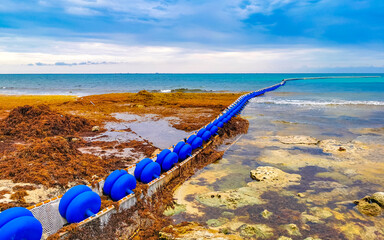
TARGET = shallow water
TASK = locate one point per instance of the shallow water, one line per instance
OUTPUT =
(330, 178)
(134, 127)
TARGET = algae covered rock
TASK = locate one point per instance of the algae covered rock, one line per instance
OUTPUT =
(266, 214)
(231, 199)
(176, 209)
(368, 207)
(217, 222)
(292, 229)
(258, 231)
(269, 174)
(308, 140)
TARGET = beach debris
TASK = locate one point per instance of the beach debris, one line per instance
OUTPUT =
(292, 229)
(368, 207)
(95, 128)
(258, 231)
(266, 214)
(299, 139)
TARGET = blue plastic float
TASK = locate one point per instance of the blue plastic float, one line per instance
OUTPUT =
(79, 203)
(147, 170)
(119, 184)
(19, 223)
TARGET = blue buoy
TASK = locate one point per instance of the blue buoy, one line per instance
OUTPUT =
(85, 205)
(178, 146)
(206, 135)
(185, 152)
(119, 184)
(147, 170)
(169, 161)
(111, 179)
(191, 139)
(214, 130)
(140, 166)
(198, 142)
(21, 228)
(12, 213)
(220, 124)
(161, 156)
(150, 172)
(201, 132)
(69, 196)
(209, 126)
(123, 187)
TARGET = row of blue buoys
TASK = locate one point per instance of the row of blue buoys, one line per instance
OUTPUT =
(80, 202)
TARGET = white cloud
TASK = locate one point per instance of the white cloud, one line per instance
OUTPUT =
(68, 57)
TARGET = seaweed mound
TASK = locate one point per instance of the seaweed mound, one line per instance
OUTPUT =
(53, 161)
(39, 122)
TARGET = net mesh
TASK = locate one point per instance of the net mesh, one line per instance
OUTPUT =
(49, 216)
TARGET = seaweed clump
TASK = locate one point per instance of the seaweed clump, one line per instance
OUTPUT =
(39, 122)
(54, 161)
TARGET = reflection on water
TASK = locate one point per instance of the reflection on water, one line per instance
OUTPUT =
(134, 127)
(345, 164)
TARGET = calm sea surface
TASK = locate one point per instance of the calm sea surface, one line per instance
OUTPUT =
(324, 90)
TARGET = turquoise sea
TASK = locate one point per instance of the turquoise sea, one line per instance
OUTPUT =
(336, 90)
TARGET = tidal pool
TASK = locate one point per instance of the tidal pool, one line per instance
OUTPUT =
(331, 155)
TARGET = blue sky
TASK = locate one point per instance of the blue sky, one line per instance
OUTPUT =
(191, 36)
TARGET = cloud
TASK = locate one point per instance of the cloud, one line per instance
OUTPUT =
(96, 57)
(66, 33)
(71, 64)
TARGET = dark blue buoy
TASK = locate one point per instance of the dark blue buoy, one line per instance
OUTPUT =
(111, 179)
(178, 146)
(21, 228)
(206, 135)
(197, 142)
(161, 156)
(119, 184)
(140, 166)
(150, 172)
(123, 187)
(79, 203)
(191, 139)
(83, 206)
(69, 196)
(147, 170)
(185, 152)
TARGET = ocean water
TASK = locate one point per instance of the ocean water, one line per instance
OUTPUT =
(346, 117)
(323, 90)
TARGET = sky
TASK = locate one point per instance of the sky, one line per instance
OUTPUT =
(191, 36)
